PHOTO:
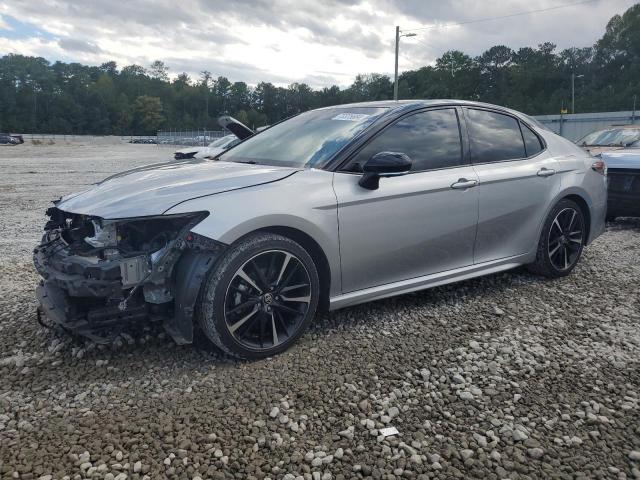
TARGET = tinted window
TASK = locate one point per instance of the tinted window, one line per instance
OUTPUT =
(531, 141)
(494, 137)
(431, 139)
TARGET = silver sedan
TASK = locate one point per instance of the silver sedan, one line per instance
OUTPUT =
(330, 208)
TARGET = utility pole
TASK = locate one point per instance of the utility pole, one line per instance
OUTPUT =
(573, 91)
(395, 80)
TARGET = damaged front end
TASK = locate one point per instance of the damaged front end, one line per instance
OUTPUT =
(99, 275)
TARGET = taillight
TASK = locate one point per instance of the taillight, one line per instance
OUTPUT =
(600, 167)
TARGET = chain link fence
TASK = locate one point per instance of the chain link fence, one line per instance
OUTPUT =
(188, 138)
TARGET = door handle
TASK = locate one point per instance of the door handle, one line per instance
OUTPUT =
(463, 183)
(546, 172)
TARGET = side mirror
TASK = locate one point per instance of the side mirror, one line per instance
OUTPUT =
(384, 164)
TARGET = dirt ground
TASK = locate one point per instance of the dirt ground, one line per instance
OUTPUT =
(508, 376)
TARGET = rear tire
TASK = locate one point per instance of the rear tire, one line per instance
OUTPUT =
(260, 297)
(561, 241)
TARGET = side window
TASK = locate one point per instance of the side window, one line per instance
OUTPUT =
(493, 136)
(531, 141)
(431, 139)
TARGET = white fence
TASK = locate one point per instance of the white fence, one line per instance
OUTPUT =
(577, 125)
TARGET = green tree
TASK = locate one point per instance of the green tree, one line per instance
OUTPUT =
(148, 114)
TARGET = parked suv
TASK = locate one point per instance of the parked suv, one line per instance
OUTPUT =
(327, 209)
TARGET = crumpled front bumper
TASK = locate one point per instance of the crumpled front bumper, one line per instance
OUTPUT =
(78, 293)
(86, 295)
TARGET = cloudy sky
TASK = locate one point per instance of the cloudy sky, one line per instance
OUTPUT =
(320, 42)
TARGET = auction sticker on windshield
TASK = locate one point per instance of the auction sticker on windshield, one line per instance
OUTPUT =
(351, 117)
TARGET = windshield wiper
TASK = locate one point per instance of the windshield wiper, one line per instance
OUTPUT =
(249, 162)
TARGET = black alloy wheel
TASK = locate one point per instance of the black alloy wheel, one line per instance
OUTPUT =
(259, 297)
(565, 238)
(562, 240)
(267, 299)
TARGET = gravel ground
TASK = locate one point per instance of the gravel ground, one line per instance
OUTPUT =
(508, 376)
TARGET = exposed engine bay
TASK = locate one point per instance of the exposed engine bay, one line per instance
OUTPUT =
(101, 274)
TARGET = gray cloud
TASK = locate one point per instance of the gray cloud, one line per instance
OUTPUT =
(209, 33)
(75, 45)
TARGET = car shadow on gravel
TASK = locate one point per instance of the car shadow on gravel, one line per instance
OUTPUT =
(488, 292)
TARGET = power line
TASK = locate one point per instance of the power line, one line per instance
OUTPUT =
(488, 19)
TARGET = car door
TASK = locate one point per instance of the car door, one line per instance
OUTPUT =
(517, 181)
(413, 225)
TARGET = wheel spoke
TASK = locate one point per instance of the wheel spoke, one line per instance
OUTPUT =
(244, 293)
(289, 276)
(556, 223)
(285, 262)
(271, 272)
(573, 217)
(241, 306)
(293, 287)
(566, 260)
(552, 252)
(274, 330)
(264, 285)
(305, 299)
(287, 309)
(281, 321)
(242, 321)
(243, 275)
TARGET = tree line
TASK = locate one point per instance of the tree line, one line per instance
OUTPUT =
(39, 96)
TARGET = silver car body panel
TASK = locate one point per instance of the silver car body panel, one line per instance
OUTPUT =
(513, 202)
(426, 281)
(304, 201)
(413, 225)
(153, 189)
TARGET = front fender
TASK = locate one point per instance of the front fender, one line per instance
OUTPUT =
(304, 201)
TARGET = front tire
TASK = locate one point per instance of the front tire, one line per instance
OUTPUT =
(260, 297)
(561, 241)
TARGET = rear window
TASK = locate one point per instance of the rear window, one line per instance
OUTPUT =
(494, 137)
(532, 143)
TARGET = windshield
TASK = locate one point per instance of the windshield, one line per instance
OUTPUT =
(223, 142)
(612, 137)
(306, 140)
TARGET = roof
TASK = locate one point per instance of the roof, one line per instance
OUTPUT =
(395, 106)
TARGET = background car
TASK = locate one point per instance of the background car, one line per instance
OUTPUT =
(611, 139)
(238, 130)
(330, 208)
(623, 183)
(214, 148)
(8, 139)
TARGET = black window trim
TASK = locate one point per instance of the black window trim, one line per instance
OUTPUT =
(464, 147)
(543, 143)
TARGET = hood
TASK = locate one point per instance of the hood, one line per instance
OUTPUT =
(236, 127)
(622, 159)
(154, 189)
